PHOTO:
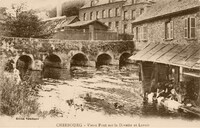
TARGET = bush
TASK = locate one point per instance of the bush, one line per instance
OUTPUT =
(17, 98)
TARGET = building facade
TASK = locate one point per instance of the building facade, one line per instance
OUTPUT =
(117, 14)
(177, 22)
(170, 30)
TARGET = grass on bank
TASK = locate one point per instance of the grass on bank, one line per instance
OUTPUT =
(16, 98)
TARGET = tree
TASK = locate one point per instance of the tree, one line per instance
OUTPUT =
(69, 8)
(23, 23)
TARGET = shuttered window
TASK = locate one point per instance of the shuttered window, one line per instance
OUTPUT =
(190, 28)
(169, 30)
(186, 28)
(144, 33)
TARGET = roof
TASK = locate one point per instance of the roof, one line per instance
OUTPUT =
(167, 7)
(54, 18)
(129, 2)
(99, 2)
(85, 23)
(184, 55)
(58, 22)
(67, 21)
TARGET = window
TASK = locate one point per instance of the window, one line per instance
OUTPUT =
(133, 14)
(117, 24)
(125, 15)
(110, 13)
(117, 12)
(133, 30)
(169, 32)
(133, 1)
(125, 28)
(91, 15)
(103, 14)
(137, 33)
(141, 33)
(110, 25)
(84, 16)
(97, 14)
(144, 33)
(190, 28)
(141, 11)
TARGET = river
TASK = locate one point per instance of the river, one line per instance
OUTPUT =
(102, 93)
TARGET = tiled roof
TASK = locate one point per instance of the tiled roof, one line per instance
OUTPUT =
(84, 23)
(166, 7)
(98, 2)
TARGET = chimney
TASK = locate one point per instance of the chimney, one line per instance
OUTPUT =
(59, 10)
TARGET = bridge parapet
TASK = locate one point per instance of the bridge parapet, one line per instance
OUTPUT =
(64, 53)
(32, 46)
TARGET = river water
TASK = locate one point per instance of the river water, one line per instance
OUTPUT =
(105, 92)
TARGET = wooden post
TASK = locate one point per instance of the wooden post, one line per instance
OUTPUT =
(181, 74)
(156, 72)
(141, 71)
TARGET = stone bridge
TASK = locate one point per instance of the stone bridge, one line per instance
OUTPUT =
(49, 54)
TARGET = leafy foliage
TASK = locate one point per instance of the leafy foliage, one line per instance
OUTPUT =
(16, 98)
(24, 24)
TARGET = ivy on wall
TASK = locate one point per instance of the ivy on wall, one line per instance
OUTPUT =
(33, 46)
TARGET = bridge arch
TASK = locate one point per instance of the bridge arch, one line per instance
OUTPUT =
(52, 66)
(104, 59)
(79, 59)
(123, 59)
(24, 64)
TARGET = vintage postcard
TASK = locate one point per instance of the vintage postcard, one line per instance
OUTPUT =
(100, 63)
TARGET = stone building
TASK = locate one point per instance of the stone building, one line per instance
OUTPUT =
(168, 33)
(117, 14)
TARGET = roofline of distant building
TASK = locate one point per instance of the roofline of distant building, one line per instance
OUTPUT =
(137, 4)
(167, 15)
(102, 5)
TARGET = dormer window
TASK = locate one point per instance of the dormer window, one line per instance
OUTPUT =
(92, 3)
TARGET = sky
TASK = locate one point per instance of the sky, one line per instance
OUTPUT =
(34, 4)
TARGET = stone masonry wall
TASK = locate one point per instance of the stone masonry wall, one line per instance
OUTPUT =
(38, 49)
(156, 29)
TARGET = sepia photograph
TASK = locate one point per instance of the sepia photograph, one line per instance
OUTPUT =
(100, 63)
